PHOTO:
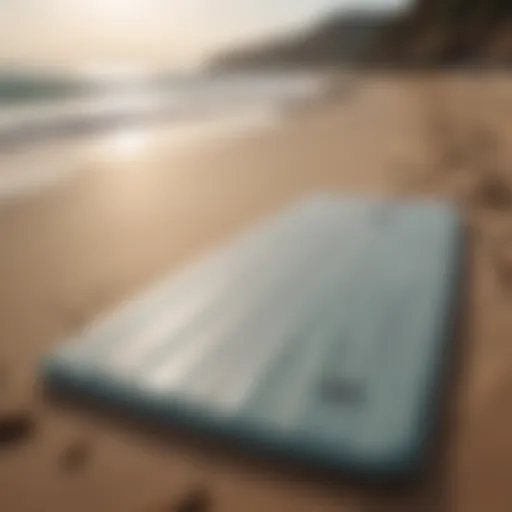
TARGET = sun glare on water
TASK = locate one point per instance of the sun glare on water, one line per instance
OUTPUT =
(127, 143)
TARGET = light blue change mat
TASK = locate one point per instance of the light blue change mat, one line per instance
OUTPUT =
(318, 336)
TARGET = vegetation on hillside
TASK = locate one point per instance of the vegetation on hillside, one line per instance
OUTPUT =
(453, 31)
(431, 32)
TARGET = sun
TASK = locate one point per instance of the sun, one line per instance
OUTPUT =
(120, 10)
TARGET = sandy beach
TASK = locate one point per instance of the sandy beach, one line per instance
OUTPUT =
(77, 248)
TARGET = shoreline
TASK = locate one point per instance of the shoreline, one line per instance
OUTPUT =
(205, 98)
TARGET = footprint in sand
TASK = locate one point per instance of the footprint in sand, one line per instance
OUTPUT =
(75, 456)
(16, 428)
(493, 191)
(195, 500)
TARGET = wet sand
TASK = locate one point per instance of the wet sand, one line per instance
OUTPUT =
(75, 250)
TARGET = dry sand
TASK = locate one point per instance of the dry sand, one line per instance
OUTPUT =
(77, 249)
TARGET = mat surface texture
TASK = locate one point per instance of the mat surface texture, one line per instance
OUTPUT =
(318, 335)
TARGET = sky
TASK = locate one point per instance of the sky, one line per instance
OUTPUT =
(154, 33)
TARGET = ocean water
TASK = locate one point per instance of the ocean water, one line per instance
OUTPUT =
(42, 143)
(185, 98)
